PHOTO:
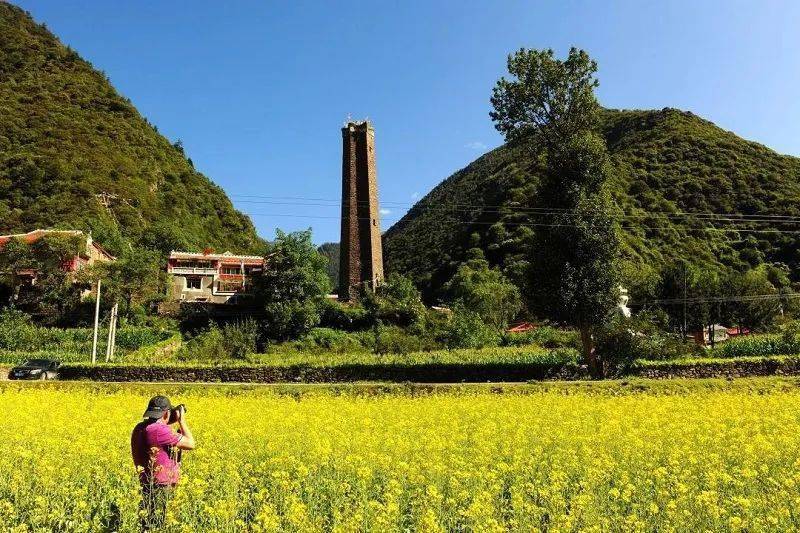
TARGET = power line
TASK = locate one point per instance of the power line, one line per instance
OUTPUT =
(332, 202)
(677, 229)
(722, 299)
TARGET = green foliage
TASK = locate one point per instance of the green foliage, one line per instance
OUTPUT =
(330, 250)
(467, 329)
(573, 261)
(134, 279)
(234, 341)
(17, 331)
(754, 346)
(486, 291)
(326, 340)
(344, 316)
(20, 337)
(533, 355)
(67, 137)
(545, 336)
(396, 301)
(663, 163)
(292, 290)
(396, 340)
(54, 295)
(746, 299)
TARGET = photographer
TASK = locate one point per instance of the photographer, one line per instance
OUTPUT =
(156, 450)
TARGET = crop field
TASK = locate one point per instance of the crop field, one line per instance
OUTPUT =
(665, 456)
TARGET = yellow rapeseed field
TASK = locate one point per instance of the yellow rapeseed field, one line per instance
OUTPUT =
(471, 460)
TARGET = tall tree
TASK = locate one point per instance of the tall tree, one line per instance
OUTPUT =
(574, 258)
(135, 278)
(292, 290)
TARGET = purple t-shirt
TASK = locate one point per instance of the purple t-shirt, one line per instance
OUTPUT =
(152, 449)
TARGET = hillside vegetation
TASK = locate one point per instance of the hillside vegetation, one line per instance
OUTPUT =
(67, 137)
(665, 164)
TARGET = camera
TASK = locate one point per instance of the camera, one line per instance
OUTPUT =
(176, 412)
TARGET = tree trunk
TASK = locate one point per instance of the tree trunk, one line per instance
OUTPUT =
(589, 354)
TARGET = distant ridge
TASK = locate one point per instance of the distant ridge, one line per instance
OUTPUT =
(665, 162)
(75, 154)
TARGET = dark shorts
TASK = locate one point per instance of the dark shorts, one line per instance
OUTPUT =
(155, 499)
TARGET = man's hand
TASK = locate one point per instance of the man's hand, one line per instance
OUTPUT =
(187, 440)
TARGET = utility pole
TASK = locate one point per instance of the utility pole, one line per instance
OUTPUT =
(96, 323)
(112, 333)
(685, 331)
(114, 336)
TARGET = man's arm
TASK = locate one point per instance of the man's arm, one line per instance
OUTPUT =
(187, 440)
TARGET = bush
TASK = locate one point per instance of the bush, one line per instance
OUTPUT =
(233, 341)
(133, 338)
(329, 340)
(626, 340)
(206, 346)
(345, 317)
(392, 339)
(791, 337)
(546, 336)
(240, 339)
(17, 332)
(467, 330)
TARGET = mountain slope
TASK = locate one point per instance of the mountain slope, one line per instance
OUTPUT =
(665, 163)
(76, 154)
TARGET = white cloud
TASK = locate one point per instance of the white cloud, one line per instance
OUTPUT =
(386, 212)
(414, 196)
(476, 145)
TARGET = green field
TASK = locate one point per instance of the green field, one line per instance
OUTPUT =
(669, 455)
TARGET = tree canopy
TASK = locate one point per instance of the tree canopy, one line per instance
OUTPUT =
(573, 258)
(292, 290)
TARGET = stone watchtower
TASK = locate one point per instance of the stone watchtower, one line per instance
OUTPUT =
(361, 254)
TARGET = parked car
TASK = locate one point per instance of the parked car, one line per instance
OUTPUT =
(35, 369)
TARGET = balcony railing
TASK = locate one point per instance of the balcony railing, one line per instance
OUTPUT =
(193, 270)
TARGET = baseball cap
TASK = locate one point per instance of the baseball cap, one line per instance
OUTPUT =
(157, 406)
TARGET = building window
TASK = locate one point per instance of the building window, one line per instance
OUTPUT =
(229, 286)
(193, 283)
(231, 271)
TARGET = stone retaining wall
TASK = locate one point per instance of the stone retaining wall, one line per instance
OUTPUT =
(434, 373)
(722, 369)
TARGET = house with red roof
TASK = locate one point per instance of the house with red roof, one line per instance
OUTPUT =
(91, 253)
(208, 277)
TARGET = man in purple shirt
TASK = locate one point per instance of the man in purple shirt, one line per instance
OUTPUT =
(155, 448)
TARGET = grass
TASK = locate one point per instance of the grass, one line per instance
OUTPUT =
(695, 361)
(504, 355)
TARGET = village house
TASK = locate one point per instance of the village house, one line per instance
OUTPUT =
(91, 254)
(211, 278)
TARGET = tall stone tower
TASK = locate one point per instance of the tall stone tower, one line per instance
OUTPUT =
(361, 254)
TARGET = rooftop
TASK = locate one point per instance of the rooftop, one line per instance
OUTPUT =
(214, 256)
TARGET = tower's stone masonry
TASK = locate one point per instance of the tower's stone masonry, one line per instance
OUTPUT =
(361, 259)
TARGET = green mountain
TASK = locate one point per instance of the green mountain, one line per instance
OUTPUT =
(75, 154)
(671, 170)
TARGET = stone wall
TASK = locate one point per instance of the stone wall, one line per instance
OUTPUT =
(424, 373)
(432, 373)
(722, 369)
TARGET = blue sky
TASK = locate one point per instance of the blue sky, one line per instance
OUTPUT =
(258, 90)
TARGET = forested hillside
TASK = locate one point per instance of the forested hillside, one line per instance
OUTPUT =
(686, 188)
(76, 154)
